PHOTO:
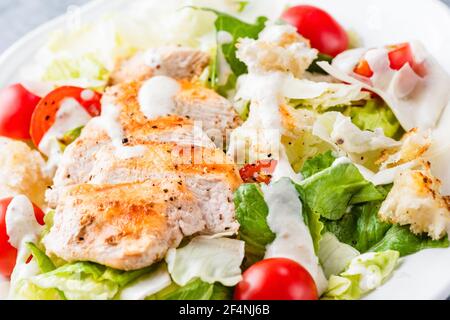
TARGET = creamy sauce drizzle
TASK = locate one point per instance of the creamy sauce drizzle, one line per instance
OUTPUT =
(71, 115)
(109, 121)
(157, 96)
(293, 239)
(22, 227)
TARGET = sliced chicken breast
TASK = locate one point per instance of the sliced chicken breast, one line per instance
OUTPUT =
(215, 114)
(175, 62)
(138, 208)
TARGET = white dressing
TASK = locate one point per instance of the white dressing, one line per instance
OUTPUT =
(70, 115)
(21, 224)
(156, 96)
(21, 228)
(147, 286)
(109, 121)
(293, 239)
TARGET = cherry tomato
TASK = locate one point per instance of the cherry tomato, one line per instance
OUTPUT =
(258, 172)
(399, 55)
(8, 253)
(16, 107)
(44, 115)
(315, 24)
(276, 279)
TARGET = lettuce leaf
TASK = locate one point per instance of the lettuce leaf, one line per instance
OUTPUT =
(330, 192)
(361, 227)
(86, 280)
(251, 213)
(317, 164)
(334, 256)
(210, 258)
(194, 290)
(86, 70)
(375, 114)
(401, 239)
(364, 273)
(314, 67)
(237, 29)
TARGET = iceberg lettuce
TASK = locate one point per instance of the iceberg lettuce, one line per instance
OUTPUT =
(210, 258)
(364, 273)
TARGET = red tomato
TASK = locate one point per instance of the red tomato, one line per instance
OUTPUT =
(276, 279)
(324, 32)
(45, 113)
(399, 55)
(8, 253)
(258, 172)
(16, 107)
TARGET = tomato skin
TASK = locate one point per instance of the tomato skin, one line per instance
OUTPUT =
(322, 30)
(45, 113)
(16, 107)
(8, 254)
(260, 171)
(276, 279)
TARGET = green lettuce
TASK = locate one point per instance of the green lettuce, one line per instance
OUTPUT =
(330, 192)
(86, 280)
(375, 114)
(194, 290)
(334, 255)
(401, 239)
(315, 68)
(318, 163)
(237, 29)
(86, 69)
(251, 213)
(364, 273)
(361, 227)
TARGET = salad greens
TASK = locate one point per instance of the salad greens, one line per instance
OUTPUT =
(317, 164)
(194, 290)
(401, 239)
(375, 113)
(251, 213)
(330, 192)
(364, 273)
(236, 29)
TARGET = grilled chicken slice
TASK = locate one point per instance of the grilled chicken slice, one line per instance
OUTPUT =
(216, 114)
(175, 62)
(124, 226)
(142, 206)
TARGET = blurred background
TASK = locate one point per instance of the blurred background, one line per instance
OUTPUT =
(17, 17)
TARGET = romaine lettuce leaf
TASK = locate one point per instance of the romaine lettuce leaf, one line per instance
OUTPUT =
(334, 256)
(317, 164)
(194, 290)
(237, 29)
(401, 239)
(361, 227)
(364, 273)
(330, 192)
(251, 213)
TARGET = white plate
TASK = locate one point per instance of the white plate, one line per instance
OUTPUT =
(424, 275)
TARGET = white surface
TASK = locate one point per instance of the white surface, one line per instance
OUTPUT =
(424, 275)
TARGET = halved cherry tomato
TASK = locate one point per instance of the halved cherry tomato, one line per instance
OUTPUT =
(399, 55)
(44, 115)
(16, 107)
(260, 171)
(8, 253)
(276, 279)
(322, 30)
